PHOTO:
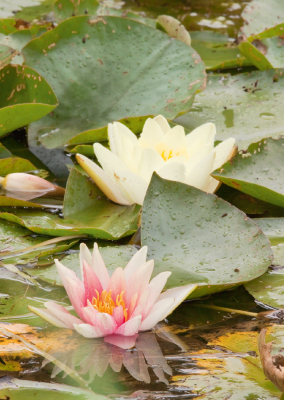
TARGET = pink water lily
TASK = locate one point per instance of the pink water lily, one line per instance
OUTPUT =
(123, 304)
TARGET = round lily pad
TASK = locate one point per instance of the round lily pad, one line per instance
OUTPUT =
(97, 81)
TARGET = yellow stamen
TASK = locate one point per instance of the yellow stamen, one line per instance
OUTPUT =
(105, 304)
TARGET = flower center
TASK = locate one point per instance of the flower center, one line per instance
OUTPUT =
(167, 156)
(105, 304)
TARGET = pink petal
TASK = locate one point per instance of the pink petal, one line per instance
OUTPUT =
(116, 283)
(133, 303)
(65, 272)
(61, 313)
(103, 321)
(118, 315)
(156, 314)
(179, 294)
(51, 318)
(141, 304)
(130, 327)
(84, 255)
(99, 267)
(124, 342)
(136, 261)
(89, 314)
(76, 295)
(88, 331)
(155, 287)
(139, 281)
(91, 282)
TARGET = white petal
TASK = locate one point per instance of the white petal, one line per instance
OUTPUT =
(198, 156)
(175, 138)
(163, 123)
(99, 267)
(136, 261)
(150, 161)
(173, 171)
(138, 281)
(54, 319)
(102, 180)
(88, 331)
(108, 160)
(179, 294)
(212, 185)
(151, 134)
(223, 151)
(84, 255)
(112, 145)
(200, 136)
(199, 176)
(157, 314)
(131, 185)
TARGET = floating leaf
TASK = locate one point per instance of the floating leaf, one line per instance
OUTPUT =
(260, 15)
(139, 83)
(216, 51)
(15, 164)
(7, 25)
(174, 28)
(249, 106)
(258, 172)
(25, 97)
(86, 211)
(64, 9)
(201, 238)
(6, 55)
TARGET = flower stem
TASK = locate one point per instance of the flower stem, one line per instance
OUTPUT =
(251, 314)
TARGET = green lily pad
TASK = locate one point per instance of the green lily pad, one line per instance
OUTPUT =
(15, 164)
(25, 97)
(22, 7)
(19, 389)
(86, 211)
(273, 228)
(6, 55)
(266, 53)
(201, 238)
(268, 288)
(247, 107)
(161, 75)
(216, 52)
(64, 9)
(258, 171)
(260, 15)
(7, 25)
(85, 149)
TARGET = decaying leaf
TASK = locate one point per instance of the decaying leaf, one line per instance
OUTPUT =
(273, 366)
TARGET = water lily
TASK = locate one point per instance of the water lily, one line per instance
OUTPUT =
(129, 164)
(122, 304)
(24, 186)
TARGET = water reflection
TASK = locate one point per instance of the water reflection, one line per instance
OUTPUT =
(139, 355)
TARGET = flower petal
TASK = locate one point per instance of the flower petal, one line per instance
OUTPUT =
(199, 176)
(91, 282)
(85, 254)
(163, 123)
(155, 287)
(175, 137)
(198, 156)
(108, 160)
(156, 314)
(179, 294)
(131, 185)
(223, 151)
(55, 316)
(212, 185)
(199, 137)
(124, 342)
(115, 131)
(76, 295)
(102, 180)
(118, 315)
(130, 327)
(88, 331)
(173, 171)
(150, 161)
(139, 281)
(151, 134)
(116, 283)
(103, 321)
(136, 261)
(99, 267)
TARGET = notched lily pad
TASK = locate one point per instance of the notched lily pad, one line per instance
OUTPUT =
(25, 97)
(258, 171)
(160, 75)
(201, 238)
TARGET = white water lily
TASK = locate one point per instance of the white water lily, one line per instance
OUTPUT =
(128, 166)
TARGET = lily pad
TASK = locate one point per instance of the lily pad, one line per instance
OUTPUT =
(247, 107)
(216, 51)
(260, 15)
(7, 25)
(6, 55)
(266, 53)
(64, 9)
(257, 172)
(86, 211)
(201, 238)
(25, 97)
(161, 75)
(269, 288)
(19, 389)
(15, 164)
